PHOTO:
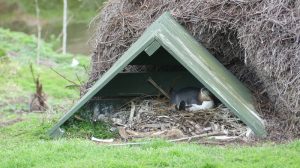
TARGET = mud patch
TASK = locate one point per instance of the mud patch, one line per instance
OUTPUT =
(10, 122)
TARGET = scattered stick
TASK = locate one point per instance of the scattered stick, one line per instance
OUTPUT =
(65, 77)
(173, 140)
(81, 83)
(133, 133)
(32, 73)
(153, 134)
(197, 136)
(129, 144)
(224, 138)
(211, 143)
(78, 118)
(123, 133)
(38, 101)
(102, 140)
(131, 113)
(150, 80)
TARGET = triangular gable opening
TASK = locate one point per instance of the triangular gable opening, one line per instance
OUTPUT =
(171, 57)
(161, 67)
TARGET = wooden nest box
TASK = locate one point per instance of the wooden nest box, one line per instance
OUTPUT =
(167, 44)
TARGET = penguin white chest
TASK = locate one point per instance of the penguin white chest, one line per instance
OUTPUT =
(205, 105)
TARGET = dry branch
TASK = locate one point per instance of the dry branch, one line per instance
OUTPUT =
(196, 136)
(150, 80)
(38, 100)
(74, 83)
(173, 140)
(102, 140)
(131, 113)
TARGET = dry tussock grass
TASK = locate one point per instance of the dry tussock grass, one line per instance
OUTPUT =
(258, 40)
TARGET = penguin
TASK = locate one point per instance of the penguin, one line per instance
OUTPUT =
(206, 101)
(189, 95)
(191, 99)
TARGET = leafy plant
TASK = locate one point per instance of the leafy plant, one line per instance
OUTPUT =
(87, 129)
(2, 53)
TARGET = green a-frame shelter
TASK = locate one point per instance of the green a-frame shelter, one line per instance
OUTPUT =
(166, 42)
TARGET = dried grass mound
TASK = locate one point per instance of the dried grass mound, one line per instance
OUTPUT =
(258, 40)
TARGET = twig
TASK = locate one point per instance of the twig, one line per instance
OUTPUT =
(102, 140)
(130, 143)
(39, 94)
(78, 118)
(85, 69)
(32, 73)
(225, 138)
(65, 77)
(173, 140)
(150, 80)
(131, 113)
(123, 133)
(196, 136)
(134, 99)
(78, 79)
(72, 86)
(211, 143)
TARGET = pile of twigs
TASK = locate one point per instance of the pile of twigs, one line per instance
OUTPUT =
(154, 118)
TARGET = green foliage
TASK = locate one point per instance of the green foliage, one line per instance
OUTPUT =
(87, 129)
(16, 79)
(2, 53)
(80, 10)
(31, 128)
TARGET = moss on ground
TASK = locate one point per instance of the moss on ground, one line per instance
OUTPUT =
(88, 129)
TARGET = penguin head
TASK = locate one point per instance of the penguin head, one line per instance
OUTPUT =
(205, 95)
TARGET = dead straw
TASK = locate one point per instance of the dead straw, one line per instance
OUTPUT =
(257, 40)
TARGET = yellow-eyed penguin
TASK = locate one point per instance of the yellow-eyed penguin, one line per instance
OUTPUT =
(191, 99)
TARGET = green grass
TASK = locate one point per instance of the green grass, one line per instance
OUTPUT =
(18, 52)
(87, 129)
(25, 143)
(22, 48)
